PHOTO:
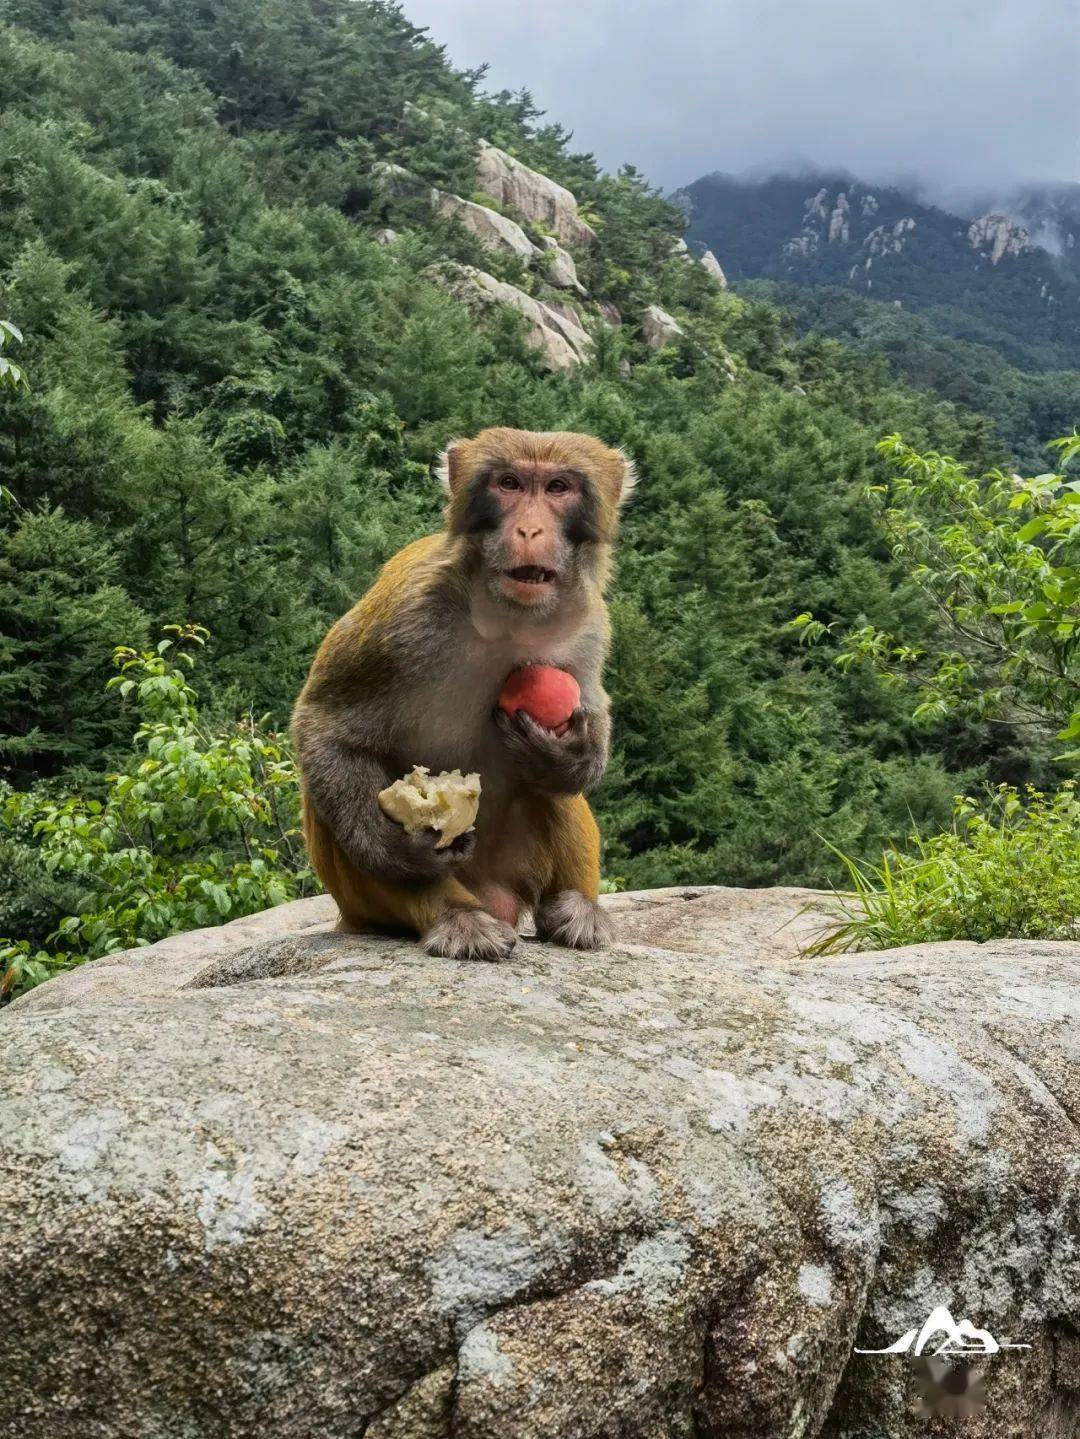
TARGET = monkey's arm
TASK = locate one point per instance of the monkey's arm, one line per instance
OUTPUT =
(572, 763)
(343, 781)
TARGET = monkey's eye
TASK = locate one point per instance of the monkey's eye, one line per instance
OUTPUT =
(558, 487)
(509, 482)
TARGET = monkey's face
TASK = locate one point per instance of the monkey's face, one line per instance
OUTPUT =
(539, 510)
(530, 520)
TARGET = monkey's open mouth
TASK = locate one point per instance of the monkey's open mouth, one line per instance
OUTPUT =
(532, 575)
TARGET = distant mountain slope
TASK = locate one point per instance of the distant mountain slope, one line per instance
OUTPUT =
(1050, 213)
(1024, 408)
(978, 278)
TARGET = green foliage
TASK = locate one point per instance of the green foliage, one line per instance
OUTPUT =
(1023, 407)
(11, 375)
(61, 607)
(999, 558)
(198, 826)
(1009, 868)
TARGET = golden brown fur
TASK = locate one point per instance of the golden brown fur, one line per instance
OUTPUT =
(411, 675)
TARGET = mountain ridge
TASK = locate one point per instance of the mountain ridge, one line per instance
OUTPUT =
(980, 277)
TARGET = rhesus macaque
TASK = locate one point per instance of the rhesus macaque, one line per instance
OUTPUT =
(412, 674)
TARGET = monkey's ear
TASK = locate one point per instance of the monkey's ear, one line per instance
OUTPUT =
(450, 467)
(629, 477)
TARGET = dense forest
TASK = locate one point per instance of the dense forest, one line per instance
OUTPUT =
(236, 388)
(1025, 407)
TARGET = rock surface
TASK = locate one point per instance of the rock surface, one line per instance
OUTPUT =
(394, 182)
(531, 194)
(711, 265)
(561, 339)
(495, 231)
(996, 236)
(658, 328)
(281, 1181)
(559, 268)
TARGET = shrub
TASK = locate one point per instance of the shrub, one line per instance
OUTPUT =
(998, 557)
(1009, 868)
(199, 826)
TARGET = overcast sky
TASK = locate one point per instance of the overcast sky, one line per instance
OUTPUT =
(956, 91)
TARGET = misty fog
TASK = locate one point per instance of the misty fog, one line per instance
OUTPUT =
(964, 94)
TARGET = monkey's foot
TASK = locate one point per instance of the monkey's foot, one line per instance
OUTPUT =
(469, 934)
(571, 919)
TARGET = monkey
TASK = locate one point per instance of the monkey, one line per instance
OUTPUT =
(411, 675)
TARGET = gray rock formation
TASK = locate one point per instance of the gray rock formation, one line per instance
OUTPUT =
(658, 328)
(531, 194)
(889, 239)
(711, 265)
(839, 225)
(514, 184)
(996, 236)
(559, 268)
(324, 1185)
(394, 182)
(817, 208)
(495, 231)
(498, 232)
(561, 339)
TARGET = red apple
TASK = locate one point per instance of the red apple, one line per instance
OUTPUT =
(549, 695)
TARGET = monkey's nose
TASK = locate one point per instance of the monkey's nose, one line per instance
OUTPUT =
(530, 533)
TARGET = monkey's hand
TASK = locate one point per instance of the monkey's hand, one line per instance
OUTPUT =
(343, 784)
(415, 856)
(570, 763)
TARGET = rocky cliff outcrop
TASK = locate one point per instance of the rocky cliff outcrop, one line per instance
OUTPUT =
(711, 265)
(658, 328)
(553, 329)
(531, 194)
(558, 266)
(889, 239)
(996, 236)
(278, 1181)
(839, 221)
(493, 229)
(496, 231)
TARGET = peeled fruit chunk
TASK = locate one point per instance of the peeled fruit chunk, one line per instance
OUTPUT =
(447, 802)
(549, 695)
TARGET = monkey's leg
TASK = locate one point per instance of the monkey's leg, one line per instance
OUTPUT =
(567, 911)
(449, 918)
(445, 914)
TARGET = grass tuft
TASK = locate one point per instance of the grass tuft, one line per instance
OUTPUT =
(1008, 869)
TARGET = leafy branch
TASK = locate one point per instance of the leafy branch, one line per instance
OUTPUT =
(998, 559)
(201, 825)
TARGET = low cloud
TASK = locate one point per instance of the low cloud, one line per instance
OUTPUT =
(963, 93)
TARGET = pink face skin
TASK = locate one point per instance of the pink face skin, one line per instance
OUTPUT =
(535, 503)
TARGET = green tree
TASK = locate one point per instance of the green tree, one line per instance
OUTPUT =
(60, 610)
(238, 393)
(999, 559)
